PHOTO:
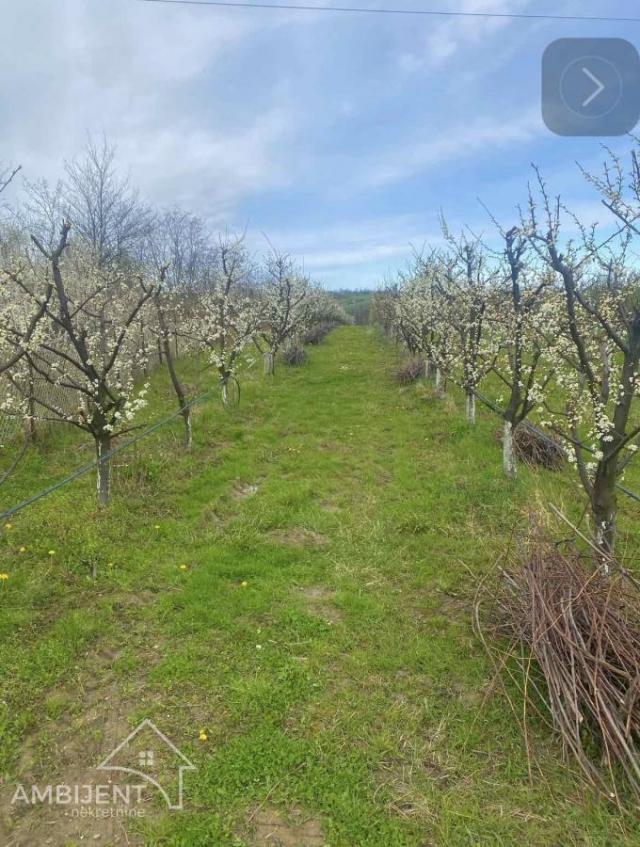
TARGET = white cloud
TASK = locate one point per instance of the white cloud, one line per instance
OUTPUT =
(252, 118)
(354, 252)
(209, 171)
(132, 70)
(449, 143)
(369, 253)
(450, 36)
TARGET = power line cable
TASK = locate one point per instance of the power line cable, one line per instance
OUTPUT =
(442, 13)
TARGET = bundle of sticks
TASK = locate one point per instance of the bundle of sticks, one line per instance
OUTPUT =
(410, 371)
(580, 625)
(536, 448)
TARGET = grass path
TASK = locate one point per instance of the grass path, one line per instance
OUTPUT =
(320, 632)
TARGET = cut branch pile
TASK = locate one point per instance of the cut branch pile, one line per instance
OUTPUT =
(317, 333)
(581, 628)
(410, 371)
(537, 449)
(295, 357)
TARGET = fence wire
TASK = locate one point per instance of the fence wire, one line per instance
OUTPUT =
(84, 469)
(40, 394)
(494, 407)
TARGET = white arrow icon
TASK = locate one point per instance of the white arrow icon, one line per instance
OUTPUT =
(598, 89)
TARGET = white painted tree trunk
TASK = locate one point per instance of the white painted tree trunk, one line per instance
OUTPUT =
(508, 454)
(429, 367)
(601, 541)
(103, 470)
(188, 429)
(269, 363)
(471, 408)
(438, 379)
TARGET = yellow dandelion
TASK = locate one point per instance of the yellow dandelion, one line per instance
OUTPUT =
(22, 550)
(244, 583)
(183, 567)
(4, 576)
(109, 564)
(8, 526)
(157, 526)
(202, 735)
(52, 552)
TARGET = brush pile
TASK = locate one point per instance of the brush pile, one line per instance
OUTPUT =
(534, 448)
(318, 332)
(410, 371)
(579, 627)
(295, 356)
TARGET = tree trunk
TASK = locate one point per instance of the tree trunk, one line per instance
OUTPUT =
(143, 348)
(188, 429)
(269, 363)
(438, 379)
(471, 407)
(103, 470)
(604, 507)
(429, 367)
(509, 463)
(32, 405)
(230, 390)
(185, 410)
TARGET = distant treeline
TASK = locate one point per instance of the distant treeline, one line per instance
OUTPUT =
(356, 303)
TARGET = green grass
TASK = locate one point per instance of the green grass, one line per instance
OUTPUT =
(344, 678)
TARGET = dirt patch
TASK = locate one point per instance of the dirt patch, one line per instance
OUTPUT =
(83, 720)
(211, 515)
(299, 537)
(404, 799)
(271, 827)
(402, 780)
(133, 599)
(318, 593)
(244, 490)
(320, 602)
(329, 506)
(453, 603)
(79, 746)
(331, 446)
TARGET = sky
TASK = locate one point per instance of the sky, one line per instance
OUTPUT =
(339, 136)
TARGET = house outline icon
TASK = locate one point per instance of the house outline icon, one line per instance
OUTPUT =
(187, 766)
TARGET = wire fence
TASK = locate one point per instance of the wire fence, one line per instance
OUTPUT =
(39, 396)
(89, 466)
(494, 407)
